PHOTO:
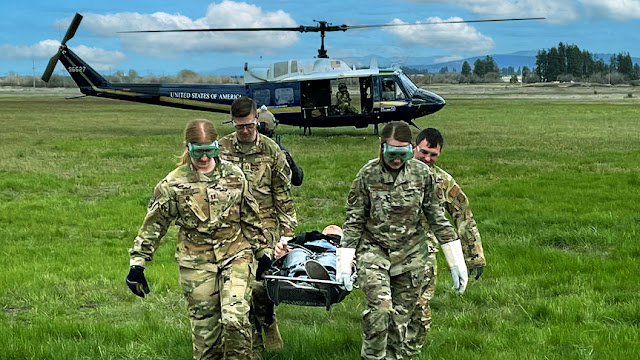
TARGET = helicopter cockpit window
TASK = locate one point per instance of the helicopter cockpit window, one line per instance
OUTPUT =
(284, 96)
(408, 84)
(262, 97)
(399, 93)
(388, 89)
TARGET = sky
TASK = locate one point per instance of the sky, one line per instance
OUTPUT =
(31, 31)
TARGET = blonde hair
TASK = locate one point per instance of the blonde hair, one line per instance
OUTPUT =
(200, 131)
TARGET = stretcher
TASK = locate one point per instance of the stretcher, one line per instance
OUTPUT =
(293, 281)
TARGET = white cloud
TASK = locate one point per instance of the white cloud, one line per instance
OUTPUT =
(42, 50)
(555, 11)
(447, 59)
(227, 14)
(451, 37)
(99, 59)
(620, 10)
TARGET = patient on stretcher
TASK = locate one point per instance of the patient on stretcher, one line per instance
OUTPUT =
(311, 269)
(311, 254)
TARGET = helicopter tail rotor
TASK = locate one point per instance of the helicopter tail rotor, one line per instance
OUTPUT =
(71, 31)
(52, 64)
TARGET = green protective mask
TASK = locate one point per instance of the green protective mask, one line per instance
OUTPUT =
(403, 153)
(196, 151)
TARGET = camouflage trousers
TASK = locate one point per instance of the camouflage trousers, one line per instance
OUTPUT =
(397, 315)
(262, 308)
(421, 319)
(346, 108)
(262, 313)
(218, 306)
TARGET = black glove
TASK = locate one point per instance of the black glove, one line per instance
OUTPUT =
(264, 263)
(136, 281)
(477, 271)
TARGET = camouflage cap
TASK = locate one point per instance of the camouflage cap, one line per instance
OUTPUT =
(342, 86)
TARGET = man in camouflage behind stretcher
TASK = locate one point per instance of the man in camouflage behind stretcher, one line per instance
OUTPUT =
(428, 146)
(269, 176)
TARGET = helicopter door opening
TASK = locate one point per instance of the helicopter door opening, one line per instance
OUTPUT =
(315, 98)
(347, 97)
(366, 95)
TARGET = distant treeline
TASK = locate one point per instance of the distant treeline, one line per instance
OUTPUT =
(567, 62)
(563, 63)
(184, 76)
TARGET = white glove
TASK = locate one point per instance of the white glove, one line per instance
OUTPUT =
(453, 253)
(344, 261)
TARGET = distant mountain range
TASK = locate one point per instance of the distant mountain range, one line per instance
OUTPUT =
(433, 64)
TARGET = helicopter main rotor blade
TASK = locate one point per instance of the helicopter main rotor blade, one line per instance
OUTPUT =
(299, 29)
(325, 27)
(440, 22)
(71, 31)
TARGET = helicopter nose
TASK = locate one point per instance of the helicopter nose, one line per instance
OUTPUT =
(427, 102)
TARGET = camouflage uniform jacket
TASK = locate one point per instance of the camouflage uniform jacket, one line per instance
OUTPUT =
(343, 97)
(269, 176)
(216, 214)
(387, 214)
(455, 203)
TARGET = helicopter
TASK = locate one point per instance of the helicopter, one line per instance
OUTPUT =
(297, 92)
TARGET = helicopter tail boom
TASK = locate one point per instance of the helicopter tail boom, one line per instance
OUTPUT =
(89, 80)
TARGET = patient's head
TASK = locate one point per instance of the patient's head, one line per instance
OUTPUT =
(332, 230)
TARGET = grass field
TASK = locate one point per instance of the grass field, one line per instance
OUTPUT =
(553, 182)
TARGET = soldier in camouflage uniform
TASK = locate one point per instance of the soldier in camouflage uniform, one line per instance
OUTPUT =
(428, 146)
(343, 100)
(266, 126)
(269, 176)
(383, 223)
(218, 238)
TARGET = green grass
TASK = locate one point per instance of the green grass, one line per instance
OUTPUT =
(553, 185)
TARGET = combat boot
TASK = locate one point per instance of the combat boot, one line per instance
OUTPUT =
(273, 341)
